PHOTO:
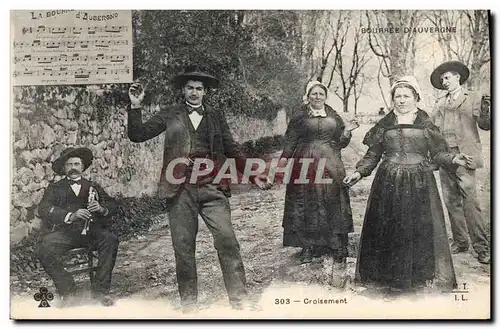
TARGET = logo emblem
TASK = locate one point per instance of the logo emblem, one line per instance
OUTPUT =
(43, 296)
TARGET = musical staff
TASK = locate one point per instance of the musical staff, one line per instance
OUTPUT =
(78, 73)
(83, 47)
(69, 44)
(75, 58)
(43, 30)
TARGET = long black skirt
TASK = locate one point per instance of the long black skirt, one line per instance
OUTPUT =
(317, 215)
(403, 240)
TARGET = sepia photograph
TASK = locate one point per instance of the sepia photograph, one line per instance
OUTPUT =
(250, 164)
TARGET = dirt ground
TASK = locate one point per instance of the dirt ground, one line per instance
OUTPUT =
(145, 267)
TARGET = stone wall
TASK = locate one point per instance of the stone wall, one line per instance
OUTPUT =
(41, 129)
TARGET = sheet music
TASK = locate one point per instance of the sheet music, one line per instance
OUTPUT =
(71, 47)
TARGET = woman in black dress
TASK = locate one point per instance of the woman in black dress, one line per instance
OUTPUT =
(317, 215)
(403, 242)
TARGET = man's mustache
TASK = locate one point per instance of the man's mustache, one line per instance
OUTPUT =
(73, 171)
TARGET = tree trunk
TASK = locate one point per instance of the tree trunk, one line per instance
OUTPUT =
(345, 104)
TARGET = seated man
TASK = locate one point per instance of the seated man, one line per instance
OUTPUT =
(75, 211)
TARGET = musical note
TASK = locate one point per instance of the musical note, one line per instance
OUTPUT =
(63, 58)
(78, 73)
(81, 51)
(42, 29)
(70, 44)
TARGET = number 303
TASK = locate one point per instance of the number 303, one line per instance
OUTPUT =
(281, 301)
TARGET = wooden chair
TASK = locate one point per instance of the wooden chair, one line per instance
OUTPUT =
(81, 260)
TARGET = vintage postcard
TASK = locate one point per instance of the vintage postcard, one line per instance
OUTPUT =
(250, 164)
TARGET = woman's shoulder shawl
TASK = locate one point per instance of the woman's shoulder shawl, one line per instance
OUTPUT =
(332, 113)
(376, 133)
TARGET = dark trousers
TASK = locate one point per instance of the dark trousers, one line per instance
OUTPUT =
(213, 206)
(54, 245)
(460, 198)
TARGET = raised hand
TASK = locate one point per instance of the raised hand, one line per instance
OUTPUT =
(485, 103)
(136, 94)
(351, 125)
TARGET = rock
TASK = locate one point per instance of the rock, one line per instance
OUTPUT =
(59, 113)
(58, 128)
(70, 98)
(21, 143)
(95, 127)
(35, 135)
(71, 114)
(37, 196)
(56, 151)
(119, 162)
(23, 176)
(48, 171)
(15, 124)
(25, 109)
(19, 232)
(72, 137)
(66, 124)
(15, 214)
(99, 149)
(102, 163)
(39, 172)
(48, 135)
(24, 125)
(126, 263)
(22, 199)
(33, 186)
(51, 121)
(107, 156)
(74, 125)
(105, 135)
(44, 154)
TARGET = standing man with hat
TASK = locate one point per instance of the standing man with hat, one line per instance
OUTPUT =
(458, 114)
(195, 131)
(75, 210)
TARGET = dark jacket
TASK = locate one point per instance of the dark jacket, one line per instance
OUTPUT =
(59, 199)
(375, 139)
(174, 122)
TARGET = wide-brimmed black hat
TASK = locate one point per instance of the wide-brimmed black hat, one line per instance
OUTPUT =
(71, 152)
(193, 72)
(452, 66)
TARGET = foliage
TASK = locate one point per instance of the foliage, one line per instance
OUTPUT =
(245, 50)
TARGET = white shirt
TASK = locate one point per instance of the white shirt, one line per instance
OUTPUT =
(195, 117)
(406, 118)
(76, 189)
(453, 95)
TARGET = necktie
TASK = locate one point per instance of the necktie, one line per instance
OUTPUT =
(198, 109)
(75, 182)
(448, 97)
